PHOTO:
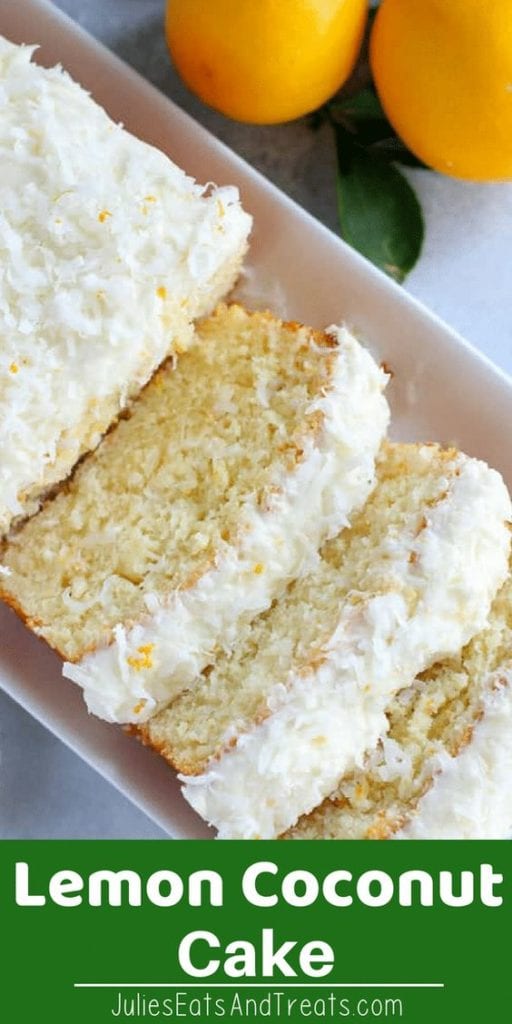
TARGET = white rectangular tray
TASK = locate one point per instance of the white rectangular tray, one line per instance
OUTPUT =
(442, 389)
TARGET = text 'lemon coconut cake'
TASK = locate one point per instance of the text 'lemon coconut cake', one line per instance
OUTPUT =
(232, 469)
(107, 251)
(302, 697)
(444, 768)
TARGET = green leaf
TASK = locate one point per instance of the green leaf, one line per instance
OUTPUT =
(363, 116)
(379, 212)
(364, 105)
(395, 150)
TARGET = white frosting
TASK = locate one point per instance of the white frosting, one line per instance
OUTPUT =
(321, 727)
(471, 796)
(312, 503)
(107, 250)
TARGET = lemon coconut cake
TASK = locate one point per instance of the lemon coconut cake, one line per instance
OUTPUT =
(108, 251)
(192, 514)
(273, 727)
(444, 768)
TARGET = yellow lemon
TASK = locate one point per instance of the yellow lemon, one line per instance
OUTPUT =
(443, 72)
(265, 61)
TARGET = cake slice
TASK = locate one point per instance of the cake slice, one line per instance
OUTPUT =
(444, 768)
(194, 512)
(303, 696)
(107, 252)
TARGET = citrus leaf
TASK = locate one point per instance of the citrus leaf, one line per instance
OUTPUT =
(363, 116)
(379, 212)
(395, 150)
(364, 105)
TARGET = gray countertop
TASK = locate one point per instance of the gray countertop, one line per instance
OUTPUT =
(465, 275)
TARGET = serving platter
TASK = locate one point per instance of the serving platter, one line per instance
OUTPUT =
(442, 389)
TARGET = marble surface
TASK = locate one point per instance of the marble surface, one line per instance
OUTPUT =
(464, 274)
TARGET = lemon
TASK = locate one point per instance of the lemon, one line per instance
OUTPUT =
(265, 61)
(443, 72)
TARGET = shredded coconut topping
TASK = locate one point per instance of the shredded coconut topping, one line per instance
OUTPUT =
(107, 250)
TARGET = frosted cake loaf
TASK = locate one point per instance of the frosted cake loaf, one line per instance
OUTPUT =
(303, 696)
(444, 768)
(194, 512)
(108, 251)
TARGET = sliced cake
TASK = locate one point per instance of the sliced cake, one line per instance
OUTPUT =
(444, 768)
(303, 696)
(229, 474)
(107, 251)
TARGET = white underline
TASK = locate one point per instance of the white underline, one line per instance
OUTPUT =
(258, 984)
